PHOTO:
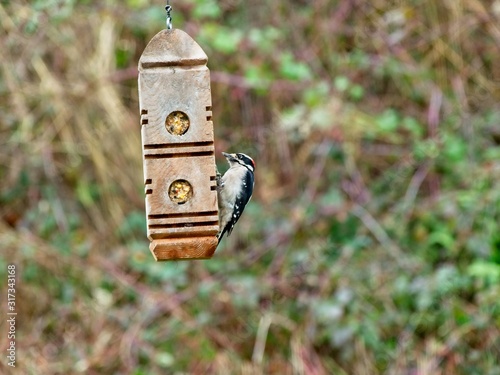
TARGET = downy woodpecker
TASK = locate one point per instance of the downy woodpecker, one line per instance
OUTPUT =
(234, 191)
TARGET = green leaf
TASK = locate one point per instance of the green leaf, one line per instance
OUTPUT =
(86, 193)
(441, 238)
(413, 126)
(356, 92)
(206, 9)
(454, 148)
(314, 96)
(227, 40)
(264, 39)
(164, 359)
(341, 83)
(294, 70)
(137, 3)
(488, 272)
(388, 121)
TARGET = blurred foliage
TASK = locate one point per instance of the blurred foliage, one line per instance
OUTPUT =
(371, 245)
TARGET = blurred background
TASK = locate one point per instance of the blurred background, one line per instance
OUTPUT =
(372, 242)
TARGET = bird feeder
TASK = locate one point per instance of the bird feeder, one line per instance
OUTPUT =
(178, 148)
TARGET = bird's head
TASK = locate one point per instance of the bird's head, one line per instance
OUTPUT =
(240, 159)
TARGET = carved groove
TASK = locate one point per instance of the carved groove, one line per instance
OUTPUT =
(185, 214)
(179, 155)
(183, 225)
(200, 233)
(208, 108)
(177, 145)
(149, 191)
(148, 181)
(144, 118)
(183, 62)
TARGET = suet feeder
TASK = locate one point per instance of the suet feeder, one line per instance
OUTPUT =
(178, 148)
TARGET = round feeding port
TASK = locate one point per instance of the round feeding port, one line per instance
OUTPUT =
(180, 191)
(177, 123)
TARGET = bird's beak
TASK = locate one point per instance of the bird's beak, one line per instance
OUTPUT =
(229, 157)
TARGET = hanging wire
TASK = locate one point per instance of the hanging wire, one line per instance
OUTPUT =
(168, 8)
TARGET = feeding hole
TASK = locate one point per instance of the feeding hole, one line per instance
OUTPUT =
(180, 191)
(177, 123)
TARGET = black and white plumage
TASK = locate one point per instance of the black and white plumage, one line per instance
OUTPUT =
(234, 191)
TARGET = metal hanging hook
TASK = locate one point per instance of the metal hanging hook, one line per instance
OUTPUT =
(168, 8)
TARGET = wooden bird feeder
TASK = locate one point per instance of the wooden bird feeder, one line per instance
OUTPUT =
(178, 148)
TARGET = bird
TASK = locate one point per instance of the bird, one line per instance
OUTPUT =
(234, 190)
